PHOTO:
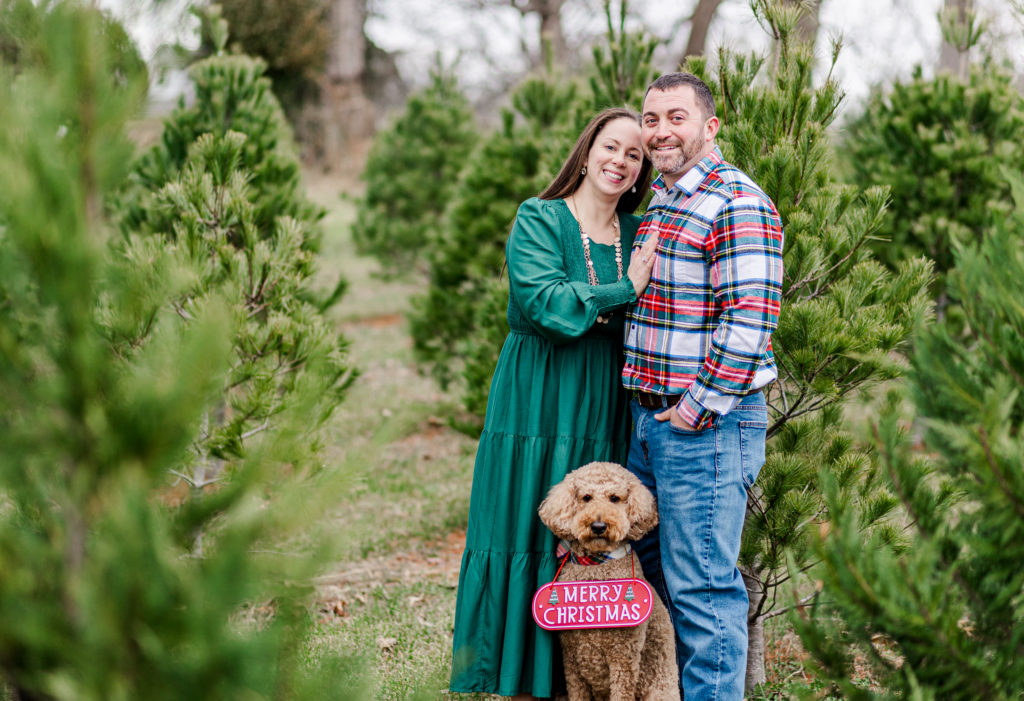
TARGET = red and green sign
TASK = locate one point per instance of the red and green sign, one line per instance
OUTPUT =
(614, 603)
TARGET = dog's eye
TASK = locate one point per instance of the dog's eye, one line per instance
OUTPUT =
(586, 498)
(614, 498)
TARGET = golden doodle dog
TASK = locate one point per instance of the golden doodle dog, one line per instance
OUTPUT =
(596, 510)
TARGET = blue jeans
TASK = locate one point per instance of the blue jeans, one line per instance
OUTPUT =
(701, 480)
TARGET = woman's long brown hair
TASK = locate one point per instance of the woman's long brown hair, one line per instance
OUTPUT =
(569, 177)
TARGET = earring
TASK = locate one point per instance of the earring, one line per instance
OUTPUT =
(584, 171)
(633, 189)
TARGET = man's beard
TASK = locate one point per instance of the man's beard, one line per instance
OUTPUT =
(674, 163)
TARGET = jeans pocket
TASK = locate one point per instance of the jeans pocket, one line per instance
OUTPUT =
(687, 431)
(752, 440)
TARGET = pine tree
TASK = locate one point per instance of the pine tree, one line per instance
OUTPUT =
(100, 597)
(204, 220)
(843, 314)
(939, 618)
(229, 212)
(622, 65)
(411, 175)
(940, 144)
(231, 94)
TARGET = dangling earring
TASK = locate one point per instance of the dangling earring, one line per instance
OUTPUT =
(583, 171)
(633, 189)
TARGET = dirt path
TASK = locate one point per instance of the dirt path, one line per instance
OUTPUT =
(372, 316)
(433, 560)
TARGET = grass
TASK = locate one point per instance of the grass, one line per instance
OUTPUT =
(403, 629)
(390, 599)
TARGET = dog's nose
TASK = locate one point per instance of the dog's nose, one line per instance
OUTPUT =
(598, 527)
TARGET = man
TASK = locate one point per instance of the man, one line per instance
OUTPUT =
(697, 354)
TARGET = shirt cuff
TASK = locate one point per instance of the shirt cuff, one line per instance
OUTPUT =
(695, 414)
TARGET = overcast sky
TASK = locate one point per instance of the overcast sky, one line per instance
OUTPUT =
(882, 39)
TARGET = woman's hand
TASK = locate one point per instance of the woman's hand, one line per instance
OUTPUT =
(641, 264)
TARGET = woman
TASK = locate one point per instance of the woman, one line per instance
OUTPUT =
(556, 400)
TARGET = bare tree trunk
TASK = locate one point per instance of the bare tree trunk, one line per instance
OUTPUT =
(810, 22)
(344, 112)
(551, 32)
(755, 631)
(953, 58)
(700, 23)
(755, 622)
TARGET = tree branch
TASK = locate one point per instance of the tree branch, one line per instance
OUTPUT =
(1004, 484)
(801, 603)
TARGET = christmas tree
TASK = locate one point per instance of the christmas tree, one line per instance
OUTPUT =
(940, 144)
(226, 208)
(102, 596)
(939, 618)
(231, 94)
(411, 175)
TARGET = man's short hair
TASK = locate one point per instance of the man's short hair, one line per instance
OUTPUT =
(675, 80)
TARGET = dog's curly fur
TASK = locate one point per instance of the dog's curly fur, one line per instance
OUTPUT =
(597, 508)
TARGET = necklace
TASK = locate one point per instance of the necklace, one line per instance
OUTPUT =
(591, 273)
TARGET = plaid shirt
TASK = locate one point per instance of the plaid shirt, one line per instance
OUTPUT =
(703, 326)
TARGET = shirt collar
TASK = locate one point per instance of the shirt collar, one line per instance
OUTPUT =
(691, 179)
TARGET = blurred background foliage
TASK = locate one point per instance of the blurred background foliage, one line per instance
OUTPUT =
(941, 145)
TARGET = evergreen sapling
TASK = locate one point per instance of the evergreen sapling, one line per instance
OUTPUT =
(101, 597)
(231, 94)
(411, 175)
(940, 145)
(937, 616)
(226, 207)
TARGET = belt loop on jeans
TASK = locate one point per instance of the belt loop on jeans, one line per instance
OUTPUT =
(649, 400)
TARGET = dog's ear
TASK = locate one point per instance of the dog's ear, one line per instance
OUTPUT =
(643, 512)
(558, 506)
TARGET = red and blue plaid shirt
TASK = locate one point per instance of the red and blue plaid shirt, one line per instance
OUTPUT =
(703, 326)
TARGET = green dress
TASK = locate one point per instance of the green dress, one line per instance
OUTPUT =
(556, 403)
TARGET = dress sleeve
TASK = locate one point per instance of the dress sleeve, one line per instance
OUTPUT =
(560, 309)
